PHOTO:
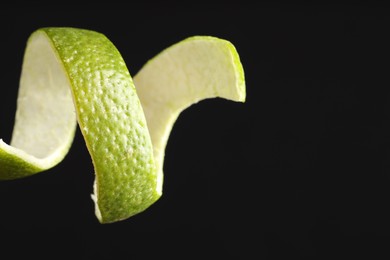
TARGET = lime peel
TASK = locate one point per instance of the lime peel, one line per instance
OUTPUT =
(197, 68)
(72, 75)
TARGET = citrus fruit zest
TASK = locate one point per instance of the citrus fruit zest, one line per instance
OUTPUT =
(72, 75)
(197, 68)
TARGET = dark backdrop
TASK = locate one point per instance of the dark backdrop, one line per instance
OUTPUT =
(300, 170)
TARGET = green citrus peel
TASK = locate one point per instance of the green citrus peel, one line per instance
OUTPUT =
(72, 75)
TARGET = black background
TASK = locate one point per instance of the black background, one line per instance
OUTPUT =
(300, 170)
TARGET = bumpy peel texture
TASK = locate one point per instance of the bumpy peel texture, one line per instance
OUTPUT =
(72, 76)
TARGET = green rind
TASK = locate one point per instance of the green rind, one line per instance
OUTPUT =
(111, 120)
(35, 146)
(13, 166)
(240, 75)
(194, 69)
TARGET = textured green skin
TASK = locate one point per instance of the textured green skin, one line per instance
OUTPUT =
(111, 119)
(13, 167)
